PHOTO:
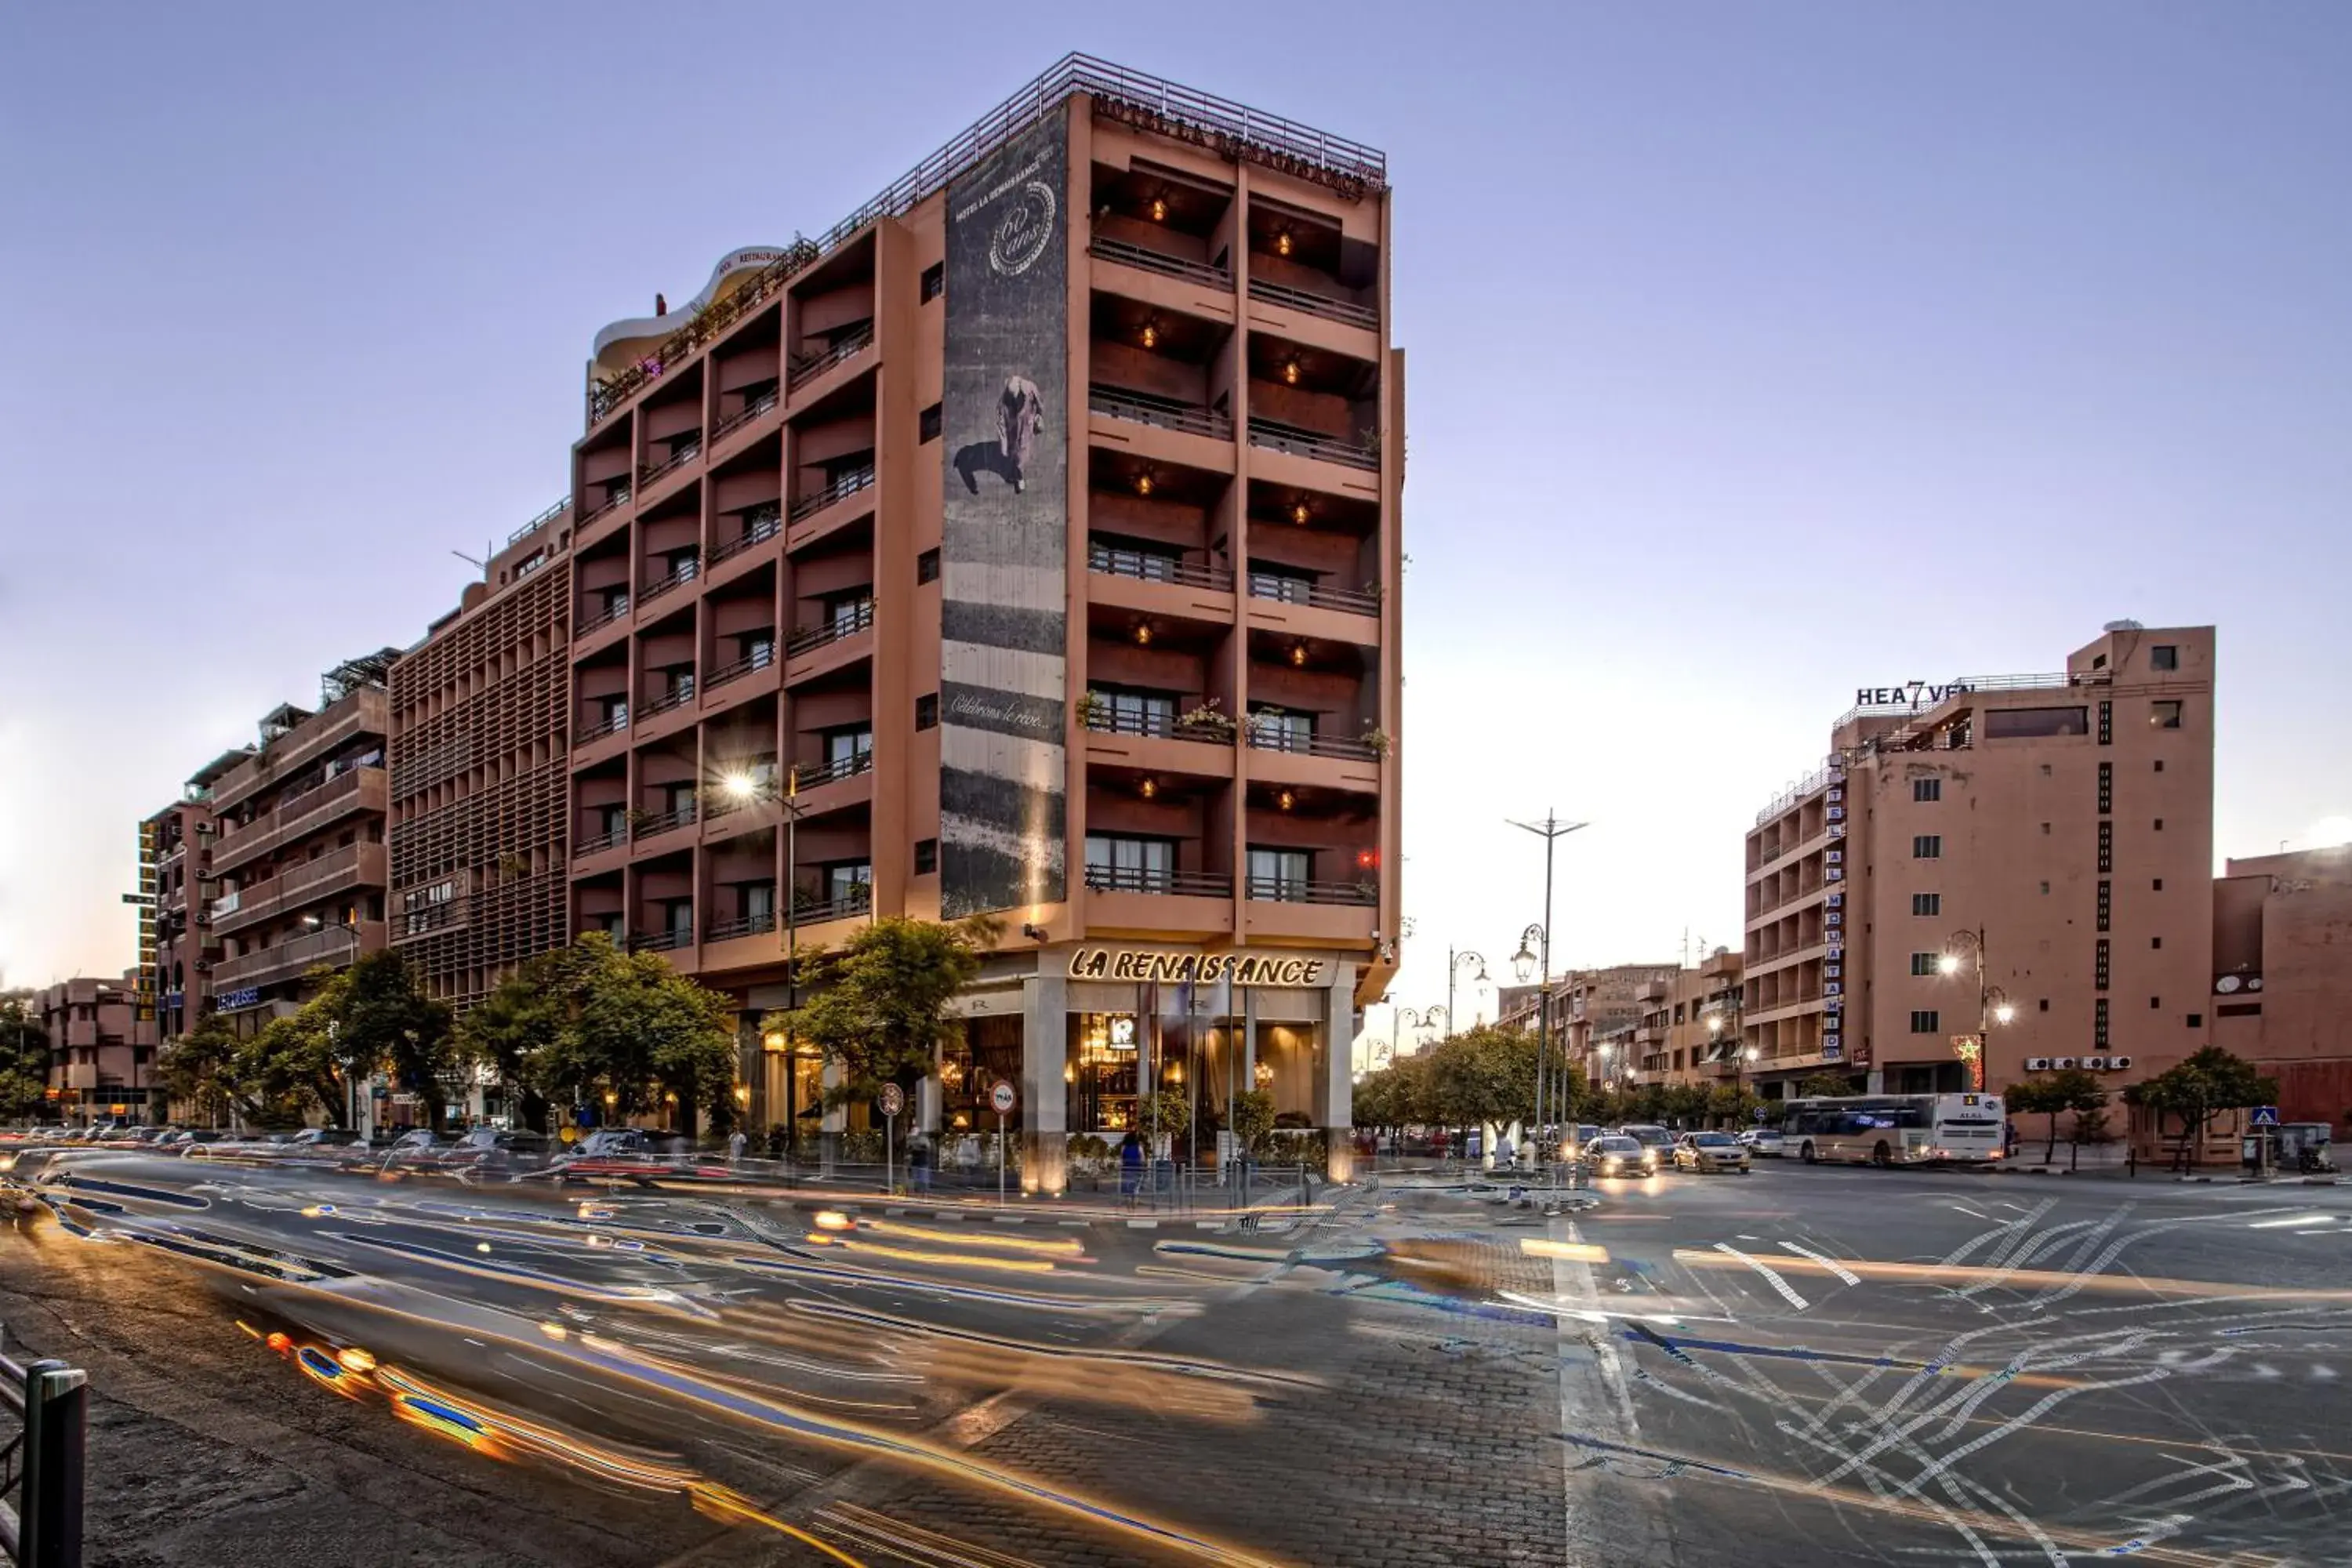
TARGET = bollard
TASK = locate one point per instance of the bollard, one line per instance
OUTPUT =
(55, 1418)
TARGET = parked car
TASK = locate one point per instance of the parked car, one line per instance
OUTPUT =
(1614, 1155)
(1763, 1141)
(326, 1138)
(1710, 1151)
(499, 1149)
(613, 1144)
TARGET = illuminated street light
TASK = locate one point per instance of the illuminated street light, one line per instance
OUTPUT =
(1948, 965)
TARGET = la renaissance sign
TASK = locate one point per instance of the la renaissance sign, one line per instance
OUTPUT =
(1195, 968)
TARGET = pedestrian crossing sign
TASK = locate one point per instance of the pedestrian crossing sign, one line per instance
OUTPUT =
(2264, 1116)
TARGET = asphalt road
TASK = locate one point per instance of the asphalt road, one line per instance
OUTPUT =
(1799, 1366)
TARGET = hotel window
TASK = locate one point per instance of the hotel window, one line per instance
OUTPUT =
(1277, 729)
(1927, 845)
(927, 712)
(2107, 788)
(927, 423)
(1279, 874)
(927, 857)
(1927, 903)
(2099, 965)
(2164, 655)
(2106, 845)
(849, 881)
(1923, 962)
(844, 747)
(927, 566)
(1128, 864)
(1927, 789)
(1924, 1021)
(2106, 903)
(1128, 711)
(2164, 715)
(935, 281)
(2099, 1024)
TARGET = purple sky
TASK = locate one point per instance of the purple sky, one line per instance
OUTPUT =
(1756, 352)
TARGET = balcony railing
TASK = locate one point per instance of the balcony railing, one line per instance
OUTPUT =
(762, 527)
(814, 910)
(848, 624)
(1160, 261)
(742, 925)
(289, 958)
(1299, 591)
(1104, 720)
(1272, 738)
(680, 694)
(1304, 444)
(671, 464)
(818, 775)
(684, 573)
(616, 499)
(603, 618)
(745, 414)
(662, 940)
(841, 486)
(759, 658)
(1163, 413)
(613, 725)
(1145, 880)
(300, 813)
(542, 520)
(597, 843)
(807, 368)
(659, 822)
(1146, 567)
(1298, 890)
(1312, 304)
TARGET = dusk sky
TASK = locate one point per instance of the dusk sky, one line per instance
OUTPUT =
(1754, 352)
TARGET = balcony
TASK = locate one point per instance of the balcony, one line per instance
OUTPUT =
(807, 368)
(354, 865)
(542, 520)
(1272, 738)
(810, 910)
(365, 711)
(334, 945)
(613, 725)
(1172, 884)
(679, 459)
(1148, 260)
(1276, 437)
(765, 403)
(1297, 590)
(596, 844)
(742, 926)
(615, 611)
(1104, 720)
(841, 486)
(1146, 567)
(353, 789)
(1312, 304)
(613, 503)
(1296, 890)
(1159, 412)
(762, 527)
(651, 825)
(668, 941)
(685, 573)
(849, 622)
(758, 660)
(822, 774)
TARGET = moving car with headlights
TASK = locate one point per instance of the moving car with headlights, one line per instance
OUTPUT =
(1763, 1141)
(1652, 1137)
(1614, 1155)
(1710, 1151)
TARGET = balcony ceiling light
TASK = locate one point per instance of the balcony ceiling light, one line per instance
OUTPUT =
(1148, 788)
(1285, 800)
(1159, 209)
(1143, 484)
(1299, 512)
(1299, 655)
(1143, 635)
(1290, 373)
(1282, 243)
(1151, 334)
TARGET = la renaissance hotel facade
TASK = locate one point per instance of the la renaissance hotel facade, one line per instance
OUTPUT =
(1028, 546)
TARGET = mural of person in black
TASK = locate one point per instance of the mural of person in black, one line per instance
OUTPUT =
(1021, 418)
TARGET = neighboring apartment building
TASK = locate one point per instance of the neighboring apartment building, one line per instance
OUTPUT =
(301, 854)
(1028, 545)
(479, 821)
(2281, 981)
(2057, 829)
(1592, 1009)
(1689, 1028)
(101, 1054)
(176, 961)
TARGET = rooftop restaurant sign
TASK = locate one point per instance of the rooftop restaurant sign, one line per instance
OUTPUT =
(1908, 694)
(1195, 968)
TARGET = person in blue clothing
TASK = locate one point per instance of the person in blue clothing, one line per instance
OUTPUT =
(1130, 1164)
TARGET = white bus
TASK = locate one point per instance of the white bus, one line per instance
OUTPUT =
(1894, 1129)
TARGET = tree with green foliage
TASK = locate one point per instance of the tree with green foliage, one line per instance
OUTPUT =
(2196, 1090)
(1483, 1077)
(383, 1022)
(1733, 1105)
(288, 1070)
(24, 1059)
(2068, 1091)
(516, 1031)
(877, 1009)
(1824, 1086)
(1253, 1116)
(200, 1069)
(645, 1026)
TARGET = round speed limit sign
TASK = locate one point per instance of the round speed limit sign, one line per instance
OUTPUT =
(894, 1099)
(1003, 1097)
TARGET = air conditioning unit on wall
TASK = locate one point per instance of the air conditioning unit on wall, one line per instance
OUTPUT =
(2037, 1064)
(2095, 1064)
(2119, 1064)
(2064, 1063)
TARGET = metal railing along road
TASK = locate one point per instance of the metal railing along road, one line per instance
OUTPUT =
(1162, 413)
(1160, 261)
(841, 486)
(809, 367)
(1147, 879)
(1300, 890)
(41, 1469)
(1305, 444)
(848, 624)
(1313, 304)
(1128, 96)
(1146, 567)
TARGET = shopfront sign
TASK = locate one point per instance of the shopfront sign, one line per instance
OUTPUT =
(1912, 694)
(1195, 968)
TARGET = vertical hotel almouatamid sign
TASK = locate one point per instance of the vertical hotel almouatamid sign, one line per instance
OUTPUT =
(1003, 553)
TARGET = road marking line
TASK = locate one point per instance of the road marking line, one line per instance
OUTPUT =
(1782, 1286)
(1832, 1263)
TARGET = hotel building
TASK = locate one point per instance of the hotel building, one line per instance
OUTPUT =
(2051, 835)
(1028, 545)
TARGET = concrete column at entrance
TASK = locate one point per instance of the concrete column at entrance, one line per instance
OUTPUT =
(1045, 1051)
(1335, 1098)
(929, 1100)
(836, 1119)
(1249, 1040)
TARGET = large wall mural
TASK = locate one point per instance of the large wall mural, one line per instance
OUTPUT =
(1003, 554)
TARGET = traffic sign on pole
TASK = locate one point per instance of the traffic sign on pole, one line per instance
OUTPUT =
(2263, 1116)
(894, 1099)
(1003, 1097)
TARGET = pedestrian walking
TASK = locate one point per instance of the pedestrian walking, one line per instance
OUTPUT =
(735, 1145)
(1130, 1164)
(918, 1160)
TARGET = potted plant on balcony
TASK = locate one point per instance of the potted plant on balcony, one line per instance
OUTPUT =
(1210, 720)
(1094, 711)
(1377, 738)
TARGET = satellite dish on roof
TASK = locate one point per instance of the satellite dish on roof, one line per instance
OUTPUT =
(2123, 626)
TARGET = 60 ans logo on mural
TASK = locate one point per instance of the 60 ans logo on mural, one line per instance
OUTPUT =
(1022, 232)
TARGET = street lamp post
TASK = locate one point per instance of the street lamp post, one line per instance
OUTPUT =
(743, 788)
(1551, 831)
(1427, 1017)
(1994, 1005)
(1453, 963)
